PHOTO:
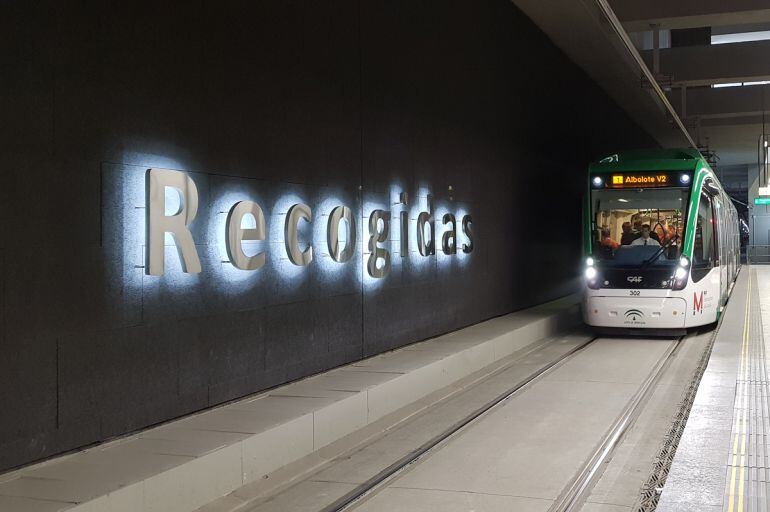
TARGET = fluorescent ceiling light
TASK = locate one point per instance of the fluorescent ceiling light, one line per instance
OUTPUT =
(742, 37)
(740, 84)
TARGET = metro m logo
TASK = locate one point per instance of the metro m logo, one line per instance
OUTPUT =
(697, 304)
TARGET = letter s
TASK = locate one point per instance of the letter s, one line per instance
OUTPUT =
(468, 232)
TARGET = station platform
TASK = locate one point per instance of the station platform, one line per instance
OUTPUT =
(721, 462)
(267, 438)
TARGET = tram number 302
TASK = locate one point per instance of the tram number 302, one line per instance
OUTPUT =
(635, 292)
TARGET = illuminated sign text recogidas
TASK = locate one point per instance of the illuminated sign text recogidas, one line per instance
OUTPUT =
(341, 248)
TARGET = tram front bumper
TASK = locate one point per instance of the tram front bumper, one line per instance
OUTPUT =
(635, 312)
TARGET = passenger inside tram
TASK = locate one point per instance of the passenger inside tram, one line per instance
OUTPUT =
(628, 235)
(645, 238)
(638, 228)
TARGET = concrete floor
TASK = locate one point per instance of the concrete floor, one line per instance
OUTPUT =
(522, 455)
(721, 462)
(618, 488)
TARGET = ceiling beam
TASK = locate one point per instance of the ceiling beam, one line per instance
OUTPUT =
(597, 43)
(705, 102)
(714, 64)
(638, 15)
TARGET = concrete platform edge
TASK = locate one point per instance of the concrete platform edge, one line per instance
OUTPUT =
(203, 478)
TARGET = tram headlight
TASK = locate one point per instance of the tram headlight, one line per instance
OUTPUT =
(597, 181)
(589, 261)
(684, 179)
(679, 280)
(592, 278)
(684, 262)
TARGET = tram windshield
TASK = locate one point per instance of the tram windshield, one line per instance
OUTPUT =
(635, 227)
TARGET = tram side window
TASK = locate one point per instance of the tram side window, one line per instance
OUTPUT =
(703, 249)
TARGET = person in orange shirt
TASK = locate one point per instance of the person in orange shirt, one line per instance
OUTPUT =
(661, 232)
(607, 241)
(671, 232)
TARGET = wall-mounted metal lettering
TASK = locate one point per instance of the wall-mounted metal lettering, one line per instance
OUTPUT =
(293, 216)
(404, 201)
(467, 223)
(426, 247)
(379, 227)
(333, 234)
(177, 223)
(237, 234)
(158, 223)
(449, 238)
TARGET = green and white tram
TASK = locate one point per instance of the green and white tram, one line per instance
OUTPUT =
(662, 242)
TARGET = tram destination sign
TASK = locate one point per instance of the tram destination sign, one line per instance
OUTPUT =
(639, 180)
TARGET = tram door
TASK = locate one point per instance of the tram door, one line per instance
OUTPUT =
(722, 246)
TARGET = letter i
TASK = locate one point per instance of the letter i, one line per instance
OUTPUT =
(404, 200)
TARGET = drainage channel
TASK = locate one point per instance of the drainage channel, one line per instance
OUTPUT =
(573, 496)
(652, 488)
(386, 475)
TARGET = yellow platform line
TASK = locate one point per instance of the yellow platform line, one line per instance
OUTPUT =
(740, 432)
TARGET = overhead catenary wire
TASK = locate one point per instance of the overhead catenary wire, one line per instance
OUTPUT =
(620, 31)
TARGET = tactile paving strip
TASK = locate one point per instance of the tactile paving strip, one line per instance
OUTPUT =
(747, 483)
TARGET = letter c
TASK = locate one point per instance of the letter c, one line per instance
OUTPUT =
(295, 213)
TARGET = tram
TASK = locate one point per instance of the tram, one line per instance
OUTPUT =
(662, 243)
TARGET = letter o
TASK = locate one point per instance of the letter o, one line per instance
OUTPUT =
(333, 231)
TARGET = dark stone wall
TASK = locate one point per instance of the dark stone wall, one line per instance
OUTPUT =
(328, 103)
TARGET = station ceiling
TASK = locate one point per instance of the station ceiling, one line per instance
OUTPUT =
(716, 91)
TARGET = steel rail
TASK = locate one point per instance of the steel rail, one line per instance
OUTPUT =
(572, 497)
(387, 474)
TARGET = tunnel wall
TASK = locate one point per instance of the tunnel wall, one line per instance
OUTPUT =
(278, 102)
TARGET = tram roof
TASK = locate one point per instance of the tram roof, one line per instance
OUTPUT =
(649, 160)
